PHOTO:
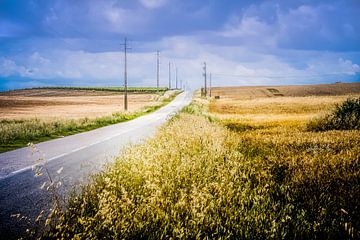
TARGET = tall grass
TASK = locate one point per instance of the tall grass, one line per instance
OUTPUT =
(201, 179)
(18, 133)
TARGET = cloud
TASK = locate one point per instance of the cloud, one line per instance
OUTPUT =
(230, 65)
(9, 68)
(66, 65)
(116, 19)
(348, 67)
(250, 31)
(264, 43)
(320, 26)
(152, 4)
(93, 19)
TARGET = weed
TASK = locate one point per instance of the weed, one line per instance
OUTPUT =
(345, 117)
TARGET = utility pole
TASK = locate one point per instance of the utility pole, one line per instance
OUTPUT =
(176, 77)
(210, 86)
(125, 76)
(157, 71)
(169, 75)
(205, 81)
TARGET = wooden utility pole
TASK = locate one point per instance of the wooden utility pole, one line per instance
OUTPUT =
(125, 76)
(169, 75)
(210, 85)
(181, 84)
(157, 71)
(176, 77)
(205, 80)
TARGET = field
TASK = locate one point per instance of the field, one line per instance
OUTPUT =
(240, 167)
(68, 103)
(284, 106)
(35, 115)
(287, 91)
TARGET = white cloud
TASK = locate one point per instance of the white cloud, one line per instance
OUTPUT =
(308, 27)
(347, 67)
(9, 68)
(152, 4)
(230, 65)
(110, 17)
(246, 27)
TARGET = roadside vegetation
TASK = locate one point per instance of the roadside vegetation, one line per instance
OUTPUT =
(345, 117)
(213, 173)
(18, 133)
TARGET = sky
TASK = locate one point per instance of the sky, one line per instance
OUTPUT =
(269, 42)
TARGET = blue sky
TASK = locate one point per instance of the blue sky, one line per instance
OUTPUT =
(67, 42)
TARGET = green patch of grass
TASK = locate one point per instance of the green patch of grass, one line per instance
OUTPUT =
(18, 133)
(345, 117)
(199, 108)
(195, 108)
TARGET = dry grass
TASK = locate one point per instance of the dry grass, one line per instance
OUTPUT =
(68, 104)
(280, 105)
(282, 111)
(226, 176)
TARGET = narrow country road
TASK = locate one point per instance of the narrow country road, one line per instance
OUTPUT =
(77, 155)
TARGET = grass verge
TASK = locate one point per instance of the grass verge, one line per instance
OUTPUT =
(199, 178)
(18, 133)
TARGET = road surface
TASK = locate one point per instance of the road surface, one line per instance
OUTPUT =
(77, 155)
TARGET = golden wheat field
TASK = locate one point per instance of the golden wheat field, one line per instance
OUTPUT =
(284, 105)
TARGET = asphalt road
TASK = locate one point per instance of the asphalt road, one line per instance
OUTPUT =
(78, 156)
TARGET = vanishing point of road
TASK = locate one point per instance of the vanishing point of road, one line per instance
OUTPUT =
(78, 156)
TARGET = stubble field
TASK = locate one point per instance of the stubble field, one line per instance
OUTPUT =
(67, 103)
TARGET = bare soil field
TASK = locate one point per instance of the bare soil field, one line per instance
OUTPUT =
(67, 103)
(286, 91)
